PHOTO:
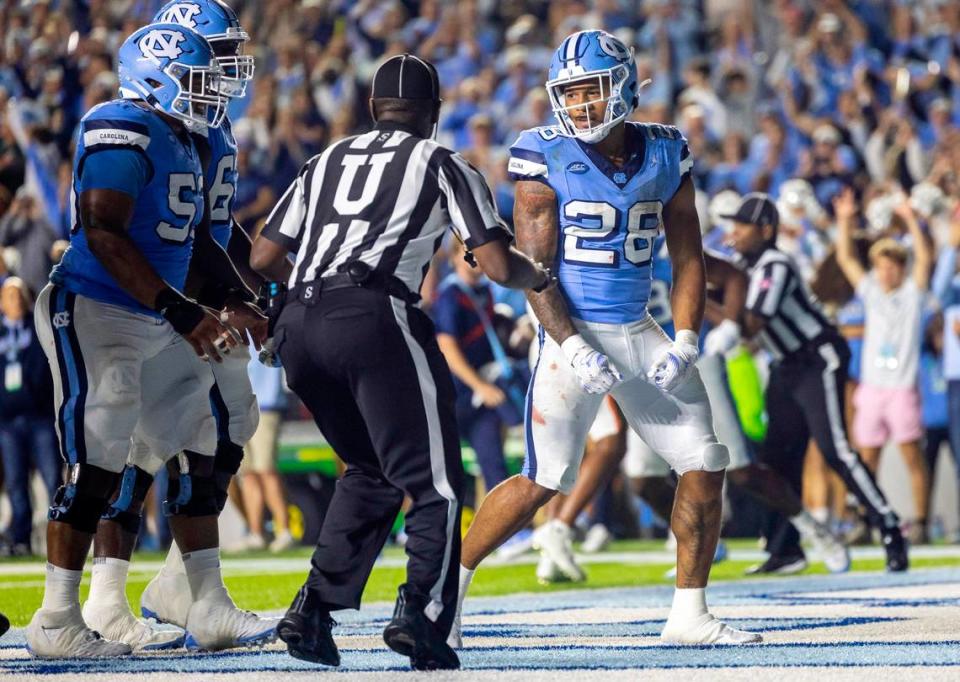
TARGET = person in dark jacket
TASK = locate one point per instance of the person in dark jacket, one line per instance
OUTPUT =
(27, 438)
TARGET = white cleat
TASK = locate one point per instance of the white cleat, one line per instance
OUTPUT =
(833, 553)
(597, 539)
(215, 623)
(64, 634)
(555, 540)
(706, 629)
(548, 572)
(118, 624)
(167, 599)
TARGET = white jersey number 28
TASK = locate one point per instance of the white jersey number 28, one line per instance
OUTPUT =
(597, 220)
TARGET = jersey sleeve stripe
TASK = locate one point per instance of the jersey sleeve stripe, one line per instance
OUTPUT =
(528, 155)
(116, 124)
(521, 169)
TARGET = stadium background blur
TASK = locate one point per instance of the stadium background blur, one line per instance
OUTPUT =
(796, 98)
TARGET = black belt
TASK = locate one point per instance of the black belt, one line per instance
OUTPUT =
(355, 275)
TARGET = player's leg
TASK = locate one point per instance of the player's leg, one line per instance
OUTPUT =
(649, 476)
(759, 481)
(558, 415)
(820, 392)
(604, 451)
(95, 353)
(679, 427)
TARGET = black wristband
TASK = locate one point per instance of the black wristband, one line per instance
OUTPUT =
(215, 294)
(543, 287)
(182, 313)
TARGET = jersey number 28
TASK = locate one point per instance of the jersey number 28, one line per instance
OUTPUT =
(597, 220)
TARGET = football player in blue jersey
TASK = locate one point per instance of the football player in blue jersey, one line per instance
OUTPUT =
(189, 591)
(113, 319)
(591, 196)
(649, 473)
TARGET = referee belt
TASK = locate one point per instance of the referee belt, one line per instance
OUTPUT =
(310, 292)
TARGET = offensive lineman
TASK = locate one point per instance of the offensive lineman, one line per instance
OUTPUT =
(591, 196)
(189, 592)
(113, 316)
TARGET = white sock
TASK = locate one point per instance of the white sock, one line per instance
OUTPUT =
(805, 524)
(688, 603)
(61, 588)
(821, 514)
(203, 571)
(466, 575)
(108, 582)
(174, 562)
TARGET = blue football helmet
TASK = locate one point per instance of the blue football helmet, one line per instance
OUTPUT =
(598, 56)
(173, 70)
(219, 24)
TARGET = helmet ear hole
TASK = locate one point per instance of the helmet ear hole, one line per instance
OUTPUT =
(153, 83)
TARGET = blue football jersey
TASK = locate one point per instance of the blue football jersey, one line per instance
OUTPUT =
(125, 147)
(609, 216)
(220, 179)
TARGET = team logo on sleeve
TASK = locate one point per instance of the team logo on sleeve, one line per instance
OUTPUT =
(162, 44)
(182, 13)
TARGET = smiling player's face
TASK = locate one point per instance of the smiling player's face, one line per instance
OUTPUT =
(586, 101)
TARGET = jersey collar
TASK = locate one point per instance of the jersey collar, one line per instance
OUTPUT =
(394, 125)
(635, 154)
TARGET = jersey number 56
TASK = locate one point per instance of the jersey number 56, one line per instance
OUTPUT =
(597, 220)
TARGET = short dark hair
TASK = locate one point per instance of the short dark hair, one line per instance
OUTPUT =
(404, 110)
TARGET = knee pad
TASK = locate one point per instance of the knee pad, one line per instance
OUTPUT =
(226, 465)
(81, 501)
(127, 506)
(192, 490)
(715, 457)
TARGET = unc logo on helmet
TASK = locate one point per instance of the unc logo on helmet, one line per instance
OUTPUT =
(161, 44)
(613, 47)
(183, 13)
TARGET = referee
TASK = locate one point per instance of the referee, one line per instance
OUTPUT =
(365, 218)
(804, 396)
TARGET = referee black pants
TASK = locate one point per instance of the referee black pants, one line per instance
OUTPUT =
(368, 367)
(804, 399)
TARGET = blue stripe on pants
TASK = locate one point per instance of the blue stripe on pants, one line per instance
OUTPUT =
(530, 461)
(71, 411)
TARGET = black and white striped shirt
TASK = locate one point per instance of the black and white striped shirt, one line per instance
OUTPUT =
(385, 198)
(778, 294)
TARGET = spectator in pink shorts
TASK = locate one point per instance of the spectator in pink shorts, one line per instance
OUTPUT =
(887, 402)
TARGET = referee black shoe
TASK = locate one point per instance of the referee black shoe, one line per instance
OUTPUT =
(896, 549)
(779, 565)
(410, 634)
(4, 624)
(307, 632)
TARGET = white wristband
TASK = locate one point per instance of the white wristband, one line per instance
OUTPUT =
(687, 337)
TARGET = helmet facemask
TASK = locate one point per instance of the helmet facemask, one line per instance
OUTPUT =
(199, 102)
(610, 83)
(237, 67)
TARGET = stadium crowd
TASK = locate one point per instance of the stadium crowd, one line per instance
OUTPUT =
(847, 113)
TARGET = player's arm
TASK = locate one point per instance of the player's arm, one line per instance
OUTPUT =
(535, 220)
(536, 224)
(105, 216)
(682, 230)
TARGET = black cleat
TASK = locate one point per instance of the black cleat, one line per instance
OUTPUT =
(4, 624)
(896, 550)
(307, 632)
(410, 634)
(779, 565)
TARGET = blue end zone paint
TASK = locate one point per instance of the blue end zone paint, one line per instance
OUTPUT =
(848, 654)
(546, 654)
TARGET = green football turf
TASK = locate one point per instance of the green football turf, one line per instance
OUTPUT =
(20, 594)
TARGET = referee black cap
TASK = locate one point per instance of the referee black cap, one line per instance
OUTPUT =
(758, 209)
(406, 76)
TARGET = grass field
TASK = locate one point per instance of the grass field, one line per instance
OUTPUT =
(272, 589)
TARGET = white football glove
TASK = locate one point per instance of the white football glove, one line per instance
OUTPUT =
(593, 369)
(722, 338)
(673, 364)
